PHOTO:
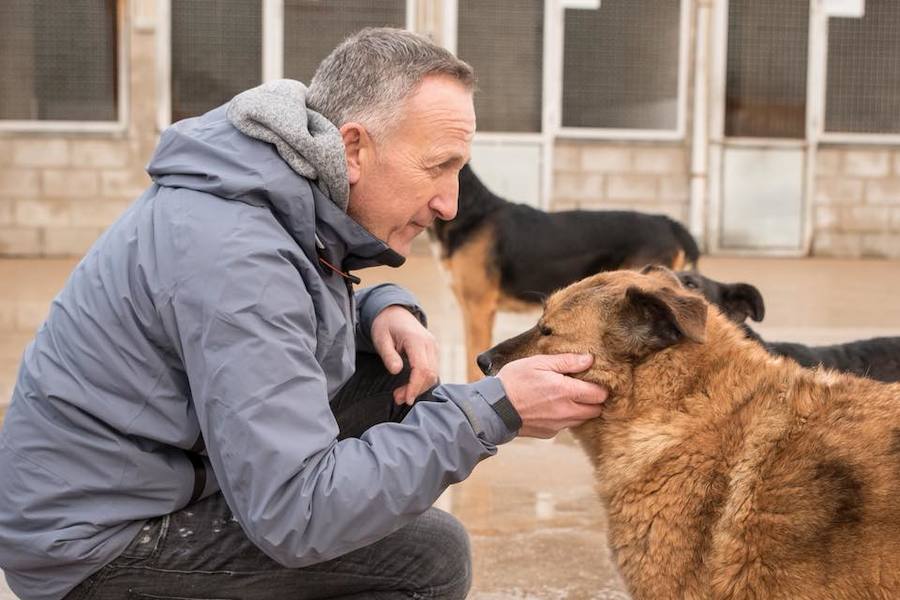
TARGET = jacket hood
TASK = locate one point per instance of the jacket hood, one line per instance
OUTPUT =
(209, 154)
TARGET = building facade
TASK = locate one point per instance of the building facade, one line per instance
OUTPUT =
(769, 127)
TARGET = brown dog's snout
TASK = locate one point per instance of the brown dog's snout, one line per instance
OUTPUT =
(484, 362)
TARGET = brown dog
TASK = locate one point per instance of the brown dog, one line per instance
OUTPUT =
(727, 472)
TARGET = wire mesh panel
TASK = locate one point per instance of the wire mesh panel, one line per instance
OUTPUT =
(503, 41)
(58, 60)
(312, 28)
(620, 65)
(863, 86)
(216, 53)
(767, 63)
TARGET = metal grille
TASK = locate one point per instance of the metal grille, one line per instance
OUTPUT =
(216, 53)
(503, 41)
(58, 60)
(620, 65)
(312, 28)
(767, 63)
(863, 85)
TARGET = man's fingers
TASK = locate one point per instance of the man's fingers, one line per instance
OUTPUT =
(392, 360)
(420, 379)
(584, 392)
(567, 363)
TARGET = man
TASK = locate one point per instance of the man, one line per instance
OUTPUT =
(206, 412)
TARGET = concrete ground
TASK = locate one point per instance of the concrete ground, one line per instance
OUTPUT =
(538, 532)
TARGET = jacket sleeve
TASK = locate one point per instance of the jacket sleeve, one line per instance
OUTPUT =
(246, 334)
(372, 300)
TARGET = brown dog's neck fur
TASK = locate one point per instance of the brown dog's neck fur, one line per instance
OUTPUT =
(675, 403)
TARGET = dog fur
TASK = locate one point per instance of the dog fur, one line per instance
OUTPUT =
(506, 256)
(876, 358)
(727, 473)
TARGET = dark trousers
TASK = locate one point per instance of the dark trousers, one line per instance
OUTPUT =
(201, 553)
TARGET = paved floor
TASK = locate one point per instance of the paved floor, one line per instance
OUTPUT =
(537, 530)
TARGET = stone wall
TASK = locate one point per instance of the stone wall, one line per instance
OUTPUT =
(857, 202)
(647, 177)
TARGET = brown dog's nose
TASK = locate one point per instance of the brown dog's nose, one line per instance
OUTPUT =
(484, 362)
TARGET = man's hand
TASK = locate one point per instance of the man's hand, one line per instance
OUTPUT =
(397, 331)
(546, 399)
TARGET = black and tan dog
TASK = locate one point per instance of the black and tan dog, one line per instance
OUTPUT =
(875, 358)
(508, 256)
(726, 472)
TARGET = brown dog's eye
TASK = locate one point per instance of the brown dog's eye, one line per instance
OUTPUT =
(545, 330)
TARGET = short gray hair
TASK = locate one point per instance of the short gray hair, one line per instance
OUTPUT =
(369, 75)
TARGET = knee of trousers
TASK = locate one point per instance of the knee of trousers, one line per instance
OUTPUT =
(448, 555)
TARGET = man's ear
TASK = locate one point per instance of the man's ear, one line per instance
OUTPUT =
(659, 319)
(742, 300)
(356, 144)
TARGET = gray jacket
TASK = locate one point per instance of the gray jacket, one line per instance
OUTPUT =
(203, 318)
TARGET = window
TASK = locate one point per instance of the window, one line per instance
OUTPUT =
(623, 65)
(59, 60)
(767, 63)
(863, 85)
(216, 53)
(313, 28)
(503, 41)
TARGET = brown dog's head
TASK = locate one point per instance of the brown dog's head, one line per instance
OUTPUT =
(620, 317)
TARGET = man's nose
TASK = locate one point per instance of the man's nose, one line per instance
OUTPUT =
(484, 362)
(446, 201)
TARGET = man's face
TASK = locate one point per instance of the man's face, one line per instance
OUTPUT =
(400, 183)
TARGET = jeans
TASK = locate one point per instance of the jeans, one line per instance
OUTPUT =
(201, 552)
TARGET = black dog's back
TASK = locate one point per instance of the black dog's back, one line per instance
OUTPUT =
(874, 358)
(537, 252)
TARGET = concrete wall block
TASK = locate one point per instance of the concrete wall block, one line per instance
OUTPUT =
(99, 153)
(69, 241)
(896, 162)
(20, 241)
(838, 190)
(565, 204)
(577, 186)
(128, 184)
(7, 212)
(6, 152)
(827, 217)
(566, 157)
(867, 163)
(43, 212)
(660, 160)
(631, 187)
(605, 159)
(71, 183)
(883, 191)
(895, 219)
(828, 162)
(19, 182)
(97, 213)
(866, 218)
(881, 245)
(845, 245)
(47, 152)
(674, 188)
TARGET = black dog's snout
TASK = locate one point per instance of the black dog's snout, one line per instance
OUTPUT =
(484, 362)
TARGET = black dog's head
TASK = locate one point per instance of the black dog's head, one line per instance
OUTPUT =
(737, 301)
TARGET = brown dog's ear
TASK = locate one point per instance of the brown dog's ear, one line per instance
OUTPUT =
(659, 319)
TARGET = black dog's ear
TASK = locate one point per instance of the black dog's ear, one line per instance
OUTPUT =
(659, 319)
(742, 300)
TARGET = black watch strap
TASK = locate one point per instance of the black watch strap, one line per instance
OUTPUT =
(508, 413)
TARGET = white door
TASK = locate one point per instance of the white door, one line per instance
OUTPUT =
(761, 158)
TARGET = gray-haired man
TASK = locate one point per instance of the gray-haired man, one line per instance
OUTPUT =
(211, 412)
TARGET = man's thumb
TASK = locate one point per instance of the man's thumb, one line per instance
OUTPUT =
(570, 363)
